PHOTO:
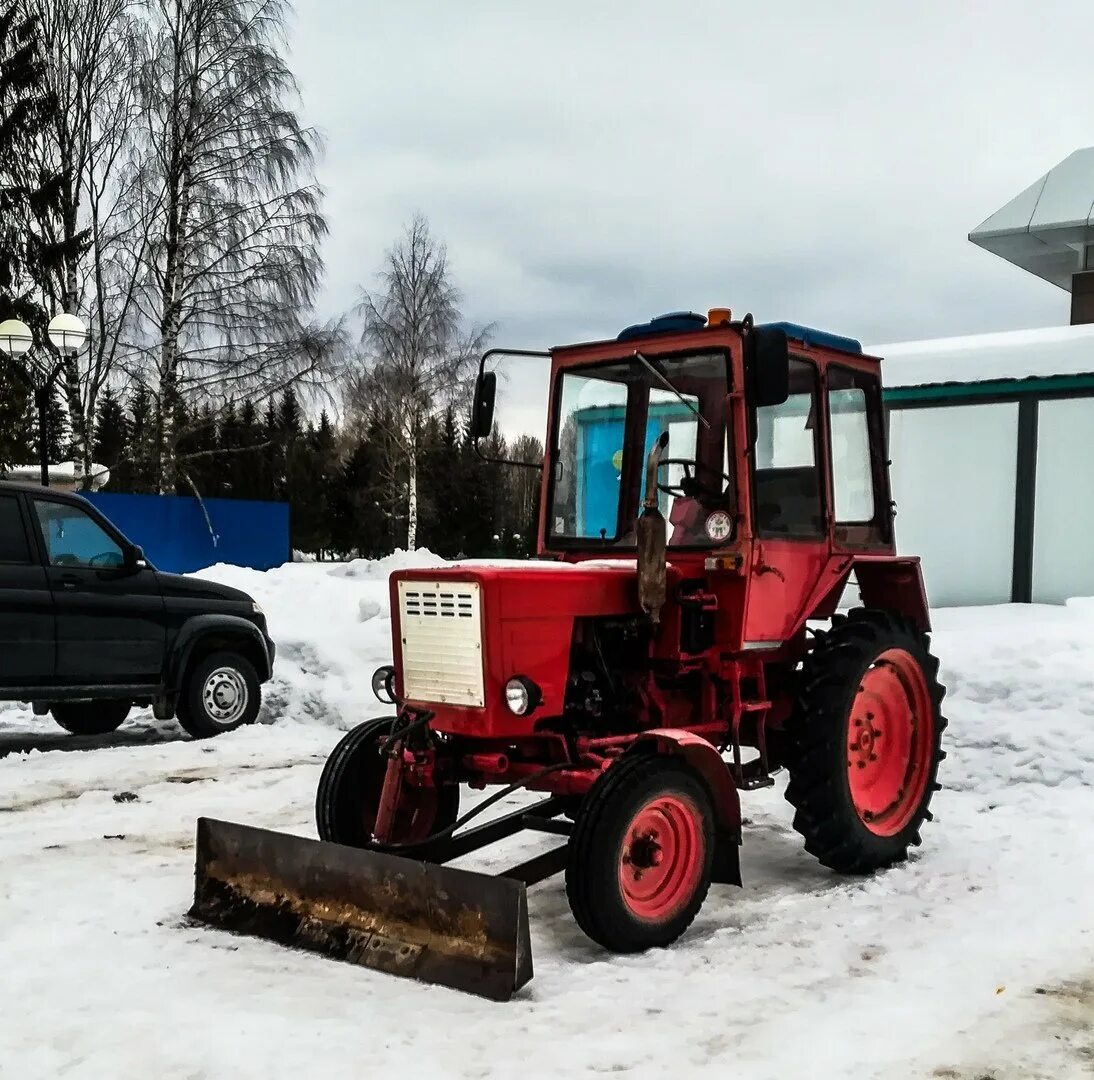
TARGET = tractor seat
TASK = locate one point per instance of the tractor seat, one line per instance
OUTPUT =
(788, 501)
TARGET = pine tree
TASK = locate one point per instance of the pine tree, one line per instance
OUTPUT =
(111, 443)
(288, 412)
(16, 416)
(57, 442)
(228, 443)
(248, 465)
(25, 111)
(272, 455)
(138, 473)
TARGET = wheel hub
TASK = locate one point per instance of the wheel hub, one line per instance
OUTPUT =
(661, 857)
(224, 695)
(889, 741)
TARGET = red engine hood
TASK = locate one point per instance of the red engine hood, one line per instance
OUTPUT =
(533, 588)
(527, 612)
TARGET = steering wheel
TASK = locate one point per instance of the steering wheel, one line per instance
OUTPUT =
(105, 558)
(690, 487)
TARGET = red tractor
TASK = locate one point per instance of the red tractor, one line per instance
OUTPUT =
(708, 489)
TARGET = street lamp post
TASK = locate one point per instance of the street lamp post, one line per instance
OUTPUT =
(67, 335)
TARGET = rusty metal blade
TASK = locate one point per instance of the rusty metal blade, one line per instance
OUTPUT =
(433, 923)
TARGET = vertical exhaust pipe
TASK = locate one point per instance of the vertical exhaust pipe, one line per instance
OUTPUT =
(651, 538)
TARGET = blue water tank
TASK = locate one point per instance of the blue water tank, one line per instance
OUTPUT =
(808, 336)
(674, 322)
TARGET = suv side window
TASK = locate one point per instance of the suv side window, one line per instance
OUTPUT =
(14, 547)
(74, 538)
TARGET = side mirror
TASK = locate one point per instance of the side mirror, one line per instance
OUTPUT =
(482, 410)
(135, 559)
(767, 366)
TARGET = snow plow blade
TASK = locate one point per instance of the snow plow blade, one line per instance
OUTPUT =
(428, 922)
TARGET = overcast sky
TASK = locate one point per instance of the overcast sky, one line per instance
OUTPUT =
(592, 164)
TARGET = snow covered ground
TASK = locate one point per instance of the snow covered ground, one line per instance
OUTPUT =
(975, 960)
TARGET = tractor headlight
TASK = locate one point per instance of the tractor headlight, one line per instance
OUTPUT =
(521, 695)
(383, 684)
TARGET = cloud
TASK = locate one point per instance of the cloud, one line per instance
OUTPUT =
(592, 165)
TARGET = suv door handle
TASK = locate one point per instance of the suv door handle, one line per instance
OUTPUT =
(69, 581)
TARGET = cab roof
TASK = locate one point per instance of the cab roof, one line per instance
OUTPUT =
(679, 322)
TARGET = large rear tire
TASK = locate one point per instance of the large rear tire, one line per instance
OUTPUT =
(349, 794)
(90, 717)
(640, 856)
(865, 741)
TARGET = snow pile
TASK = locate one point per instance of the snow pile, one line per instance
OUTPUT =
(373, 569)
(975, 959)
(332, 626)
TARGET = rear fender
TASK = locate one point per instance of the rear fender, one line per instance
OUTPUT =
(887, 582)
(894, 584)
(704, 758)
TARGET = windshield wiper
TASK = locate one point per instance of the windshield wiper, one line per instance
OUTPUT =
(668, 386)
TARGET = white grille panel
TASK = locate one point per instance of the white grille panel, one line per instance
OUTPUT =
(441, 631)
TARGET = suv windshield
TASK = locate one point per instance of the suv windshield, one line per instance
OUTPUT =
(597, 484)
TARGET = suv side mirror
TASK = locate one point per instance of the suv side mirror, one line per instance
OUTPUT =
(134, 558)
(482, 410)
(767, 364)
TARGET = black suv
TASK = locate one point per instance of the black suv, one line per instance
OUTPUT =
(88, 628)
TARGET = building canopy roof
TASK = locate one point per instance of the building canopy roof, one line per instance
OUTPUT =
(1049, 228)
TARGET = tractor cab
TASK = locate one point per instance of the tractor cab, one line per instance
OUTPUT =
(769, 431)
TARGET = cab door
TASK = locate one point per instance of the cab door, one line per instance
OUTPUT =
(790, 547)
(27, 627)
(111, 617)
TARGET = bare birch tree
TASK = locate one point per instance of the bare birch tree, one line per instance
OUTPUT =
(92, 49)
(419, 356)
(229, 214)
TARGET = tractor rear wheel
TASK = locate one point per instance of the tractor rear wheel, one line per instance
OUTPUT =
(349, 794)
(639, 861)
(864, 742)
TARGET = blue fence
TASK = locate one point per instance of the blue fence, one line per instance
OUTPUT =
(175, 535)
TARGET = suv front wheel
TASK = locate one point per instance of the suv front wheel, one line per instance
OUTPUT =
(221, 693)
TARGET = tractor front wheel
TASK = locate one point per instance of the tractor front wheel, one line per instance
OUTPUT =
(349, 794)
(864, 742)
(639, 860)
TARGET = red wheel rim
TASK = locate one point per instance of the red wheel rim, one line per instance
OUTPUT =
(890, 733)
(661, 858)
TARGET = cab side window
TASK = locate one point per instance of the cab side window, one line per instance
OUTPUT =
(74, 538)
(855, 426)
(787, 489)
(14, 547)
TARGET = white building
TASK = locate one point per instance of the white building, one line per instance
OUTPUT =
(992, 435)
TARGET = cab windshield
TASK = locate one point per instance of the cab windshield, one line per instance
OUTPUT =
(607, 412)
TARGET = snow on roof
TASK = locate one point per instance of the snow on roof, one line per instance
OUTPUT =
(1016, 354)
(60, 474)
